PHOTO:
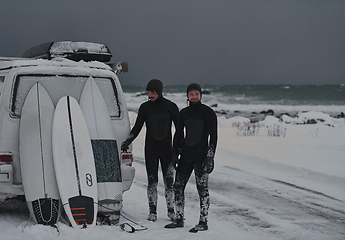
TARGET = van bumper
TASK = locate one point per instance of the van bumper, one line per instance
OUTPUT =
(10, 191)
(128, 173)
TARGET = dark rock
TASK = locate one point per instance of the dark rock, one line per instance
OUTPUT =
(311, 121)
(141, 94)
(222, 112)
(341, 115)
(268, 112)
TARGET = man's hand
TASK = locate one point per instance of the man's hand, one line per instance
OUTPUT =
(209, 161)
(175, 161)
(125, 144)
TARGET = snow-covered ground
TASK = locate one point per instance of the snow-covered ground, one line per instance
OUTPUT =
(291, 186)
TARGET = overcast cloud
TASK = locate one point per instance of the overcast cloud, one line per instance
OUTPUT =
(183, 41)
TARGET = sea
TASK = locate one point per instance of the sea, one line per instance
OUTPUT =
(249, 100)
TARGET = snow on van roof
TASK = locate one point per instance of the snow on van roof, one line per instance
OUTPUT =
(67, 46)
(87, 51)
(61, 62)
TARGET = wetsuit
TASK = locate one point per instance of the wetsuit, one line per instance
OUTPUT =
(158, 117)
(200, 124)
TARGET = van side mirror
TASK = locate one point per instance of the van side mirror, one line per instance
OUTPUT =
(120, 67)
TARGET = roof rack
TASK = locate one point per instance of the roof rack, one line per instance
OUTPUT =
(75, 51)
(10, 58)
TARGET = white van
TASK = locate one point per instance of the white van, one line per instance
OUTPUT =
(62, 68)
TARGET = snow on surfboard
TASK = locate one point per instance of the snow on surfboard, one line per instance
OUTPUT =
(36, 159)
(105, 151)
(74, 163)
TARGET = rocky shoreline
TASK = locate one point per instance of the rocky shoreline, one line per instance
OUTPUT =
(256, 117)
(260, 116)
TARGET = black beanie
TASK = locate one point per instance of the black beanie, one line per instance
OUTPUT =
(155, 85)
(194, 86)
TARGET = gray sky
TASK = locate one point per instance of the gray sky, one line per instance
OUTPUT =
(183, 41)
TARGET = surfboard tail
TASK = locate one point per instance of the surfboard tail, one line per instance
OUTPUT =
(46, 210)
(83, 210)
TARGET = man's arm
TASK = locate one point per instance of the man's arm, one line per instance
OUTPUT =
(174, 114)
(178, 136)
(212, 124)
(139, 122)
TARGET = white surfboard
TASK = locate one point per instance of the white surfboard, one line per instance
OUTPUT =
(108, 167)
(36, 159)
(74, 163)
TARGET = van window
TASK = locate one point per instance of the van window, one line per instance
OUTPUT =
(2, 79)
(63, 85)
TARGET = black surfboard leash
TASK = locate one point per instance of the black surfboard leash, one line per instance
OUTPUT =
(50, 225)
(127, 227)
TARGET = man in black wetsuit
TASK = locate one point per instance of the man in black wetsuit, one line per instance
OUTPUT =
(196, 148)
(158, 114)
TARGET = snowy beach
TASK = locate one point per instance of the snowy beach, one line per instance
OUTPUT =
(272, 71)
(289, 186)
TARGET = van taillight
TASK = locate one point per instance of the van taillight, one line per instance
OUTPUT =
(5, 157)
(127, 158)
(6, 168)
